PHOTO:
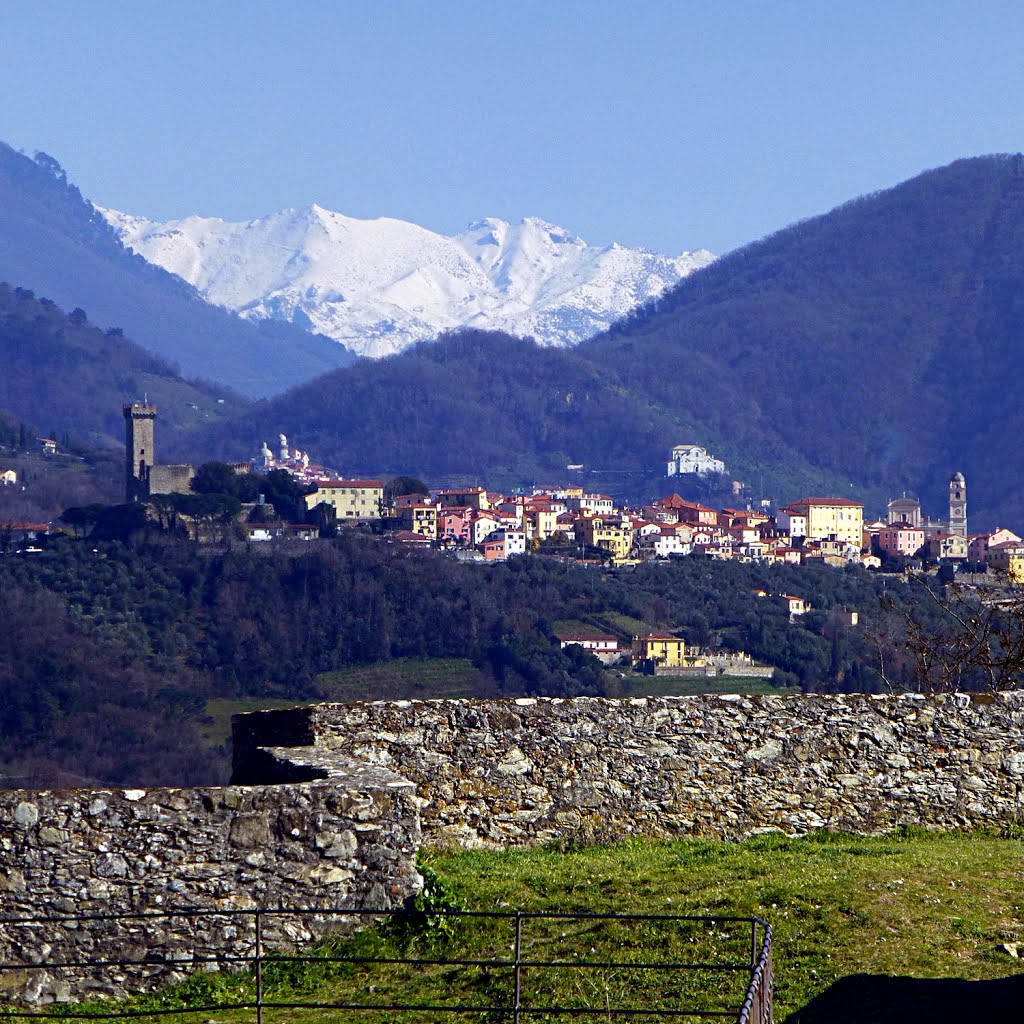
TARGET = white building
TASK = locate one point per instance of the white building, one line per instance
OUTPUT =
(661, 543)
(691, 458)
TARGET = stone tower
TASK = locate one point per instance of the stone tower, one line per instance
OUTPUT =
(958, 506)
(138, 449)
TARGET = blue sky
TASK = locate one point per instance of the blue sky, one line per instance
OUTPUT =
(671, 125)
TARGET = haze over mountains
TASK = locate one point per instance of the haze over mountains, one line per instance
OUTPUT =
(55, 243)
(380, 285)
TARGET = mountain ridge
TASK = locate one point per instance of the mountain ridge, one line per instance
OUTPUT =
(382, 284)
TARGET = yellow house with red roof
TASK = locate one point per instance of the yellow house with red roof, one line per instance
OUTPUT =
(667, 651)
(350, 499)
(836, 519)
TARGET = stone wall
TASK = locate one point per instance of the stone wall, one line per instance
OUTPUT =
(535, 770)
(348, 841)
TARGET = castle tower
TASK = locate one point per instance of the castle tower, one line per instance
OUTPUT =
(958, 506)
(139, 449)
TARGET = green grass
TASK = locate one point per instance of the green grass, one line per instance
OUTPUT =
(910, 904)
(402, 678)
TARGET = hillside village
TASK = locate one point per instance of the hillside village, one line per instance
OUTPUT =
(478, 524)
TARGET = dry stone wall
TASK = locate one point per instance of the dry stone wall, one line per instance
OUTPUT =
(524, 771)
(73, 856)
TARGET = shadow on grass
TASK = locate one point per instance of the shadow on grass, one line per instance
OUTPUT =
(878, 999)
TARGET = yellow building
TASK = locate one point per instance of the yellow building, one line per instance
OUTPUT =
(1007, 558)
(350, 499)
(836, 519)
(947, 546)
(614, 535)
(540, 522)
(667, 652)
(421, 519)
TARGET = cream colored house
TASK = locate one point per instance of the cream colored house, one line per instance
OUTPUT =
(836, 519)
(351, 499)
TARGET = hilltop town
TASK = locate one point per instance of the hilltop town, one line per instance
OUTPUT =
(475, 523)
(480, 524)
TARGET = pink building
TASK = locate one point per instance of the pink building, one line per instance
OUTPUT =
(900, 539)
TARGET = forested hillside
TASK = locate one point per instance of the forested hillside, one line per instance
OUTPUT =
(68, 378)
(109, 654)
(870, 339)
(55, 243)
(483, 406)
(860, 353)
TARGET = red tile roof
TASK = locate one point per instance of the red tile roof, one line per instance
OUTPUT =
(349, 483)
(837, 502)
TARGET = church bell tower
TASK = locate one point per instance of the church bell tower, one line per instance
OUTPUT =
(958, 506)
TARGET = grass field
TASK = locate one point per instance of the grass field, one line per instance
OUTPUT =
(402, 678)
(860, 926)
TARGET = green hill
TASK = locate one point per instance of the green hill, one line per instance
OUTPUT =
(63, 375)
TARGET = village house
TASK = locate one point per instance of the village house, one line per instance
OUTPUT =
(453, 525)
(408, 500)
(787, 555)
(733, 518)
(979, 543)
(540, 520)
(603, 646)
(838, 519)
(1007, 558)
(793, 521)
(690, 511)
(901, 539)
(7, 477)
(503, 544)
(664, 541)
(612, 535)
(482, 523)
(350, 499)
(596, 504)
(464, 497)
(421, 518)
(794, 605)
(946, 546)
(662, 651)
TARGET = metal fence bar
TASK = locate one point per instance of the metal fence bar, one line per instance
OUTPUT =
(259, 967)
(518, 967)
(756, 1007)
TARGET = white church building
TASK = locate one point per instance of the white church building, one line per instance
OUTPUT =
(691, 458)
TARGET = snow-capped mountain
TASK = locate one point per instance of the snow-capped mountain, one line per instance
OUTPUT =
(380, 285)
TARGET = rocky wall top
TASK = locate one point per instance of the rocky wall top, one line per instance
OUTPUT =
(535, 770)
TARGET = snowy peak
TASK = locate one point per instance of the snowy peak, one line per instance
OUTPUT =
(380, 285)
